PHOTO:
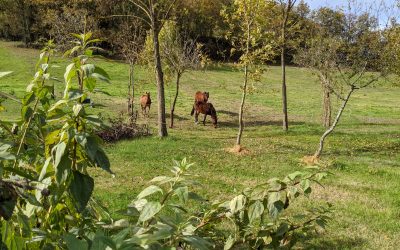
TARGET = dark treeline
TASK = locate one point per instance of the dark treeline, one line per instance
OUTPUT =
(35, 21)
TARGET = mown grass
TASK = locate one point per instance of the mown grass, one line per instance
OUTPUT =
(363, 153)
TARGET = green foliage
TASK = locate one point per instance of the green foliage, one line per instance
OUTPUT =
(159, 216)
(46, 187)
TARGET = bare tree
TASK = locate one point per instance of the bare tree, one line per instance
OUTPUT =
(352, 60)
(66, 21)
(181, 54)
(130, 40)
(156, 12)
(286, 7)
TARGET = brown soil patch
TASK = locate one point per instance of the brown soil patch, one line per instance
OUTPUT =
(238, 150)
(310, 160)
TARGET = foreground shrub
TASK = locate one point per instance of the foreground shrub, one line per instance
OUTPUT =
(160, 217)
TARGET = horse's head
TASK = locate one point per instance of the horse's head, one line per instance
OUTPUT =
(148, 94)
(206, 95)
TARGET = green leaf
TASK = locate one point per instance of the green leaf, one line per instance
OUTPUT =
(255, 211)
(258, 193)
(63, 169)
(31, 199)
(3, 74)
(274, 196)
(57, 104)
(74, 243)
(149, 211)
(74, 94)
(43, 172)
(305, 185)
(101, 74)
(77, 108)
(102, 242)
(61, 163)
(182, 193)
(28, 98)
(26, 112)
(275, 208)
(149, 191)
(282, 229)
(81, 189)
(102, 160)
(70, 72)
(294, 175)
(161, 179)
(88, 69)
(4, 155)
(197, 242)
(237, 203)
(229, 243)
(90, 83)
(293, 191)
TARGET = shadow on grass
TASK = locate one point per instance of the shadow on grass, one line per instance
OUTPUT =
(177, 117)
(231, 124)
(343, 243)
(230, 113)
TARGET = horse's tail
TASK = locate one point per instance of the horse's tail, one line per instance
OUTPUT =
(192, 112)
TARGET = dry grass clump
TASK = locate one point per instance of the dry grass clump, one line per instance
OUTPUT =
(238, 150)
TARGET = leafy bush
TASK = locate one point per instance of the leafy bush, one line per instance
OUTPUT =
(45, 186)
(163, 217)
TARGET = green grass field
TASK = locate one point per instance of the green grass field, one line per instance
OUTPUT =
(363, 153)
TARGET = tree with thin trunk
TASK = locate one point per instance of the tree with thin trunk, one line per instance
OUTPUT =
(286, 7)
(156, 12)
(129, 42)
(249, 37)
(180, 54)
(347, 62)
(317, 57)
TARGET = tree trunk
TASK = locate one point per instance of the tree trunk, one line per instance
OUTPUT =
(284, 94)
(26, 11)
(178, 77)
(162, 124)
(327, 115)
(330, 130)
(131, 89)
(244, 93)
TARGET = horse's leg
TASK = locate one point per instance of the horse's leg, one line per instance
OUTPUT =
(196, 117)
(204, 120)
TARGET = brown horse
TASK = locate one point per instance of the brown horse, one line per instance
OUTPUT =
(206, 109)
(199, 97)
(145, 102)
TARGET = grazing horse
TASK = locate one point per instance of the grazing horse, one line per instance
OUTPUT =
(145, 102)
(200, 97)
(206, 109)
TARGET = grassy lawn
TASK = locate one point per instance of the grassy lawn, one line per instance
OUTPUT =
(363, 154)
